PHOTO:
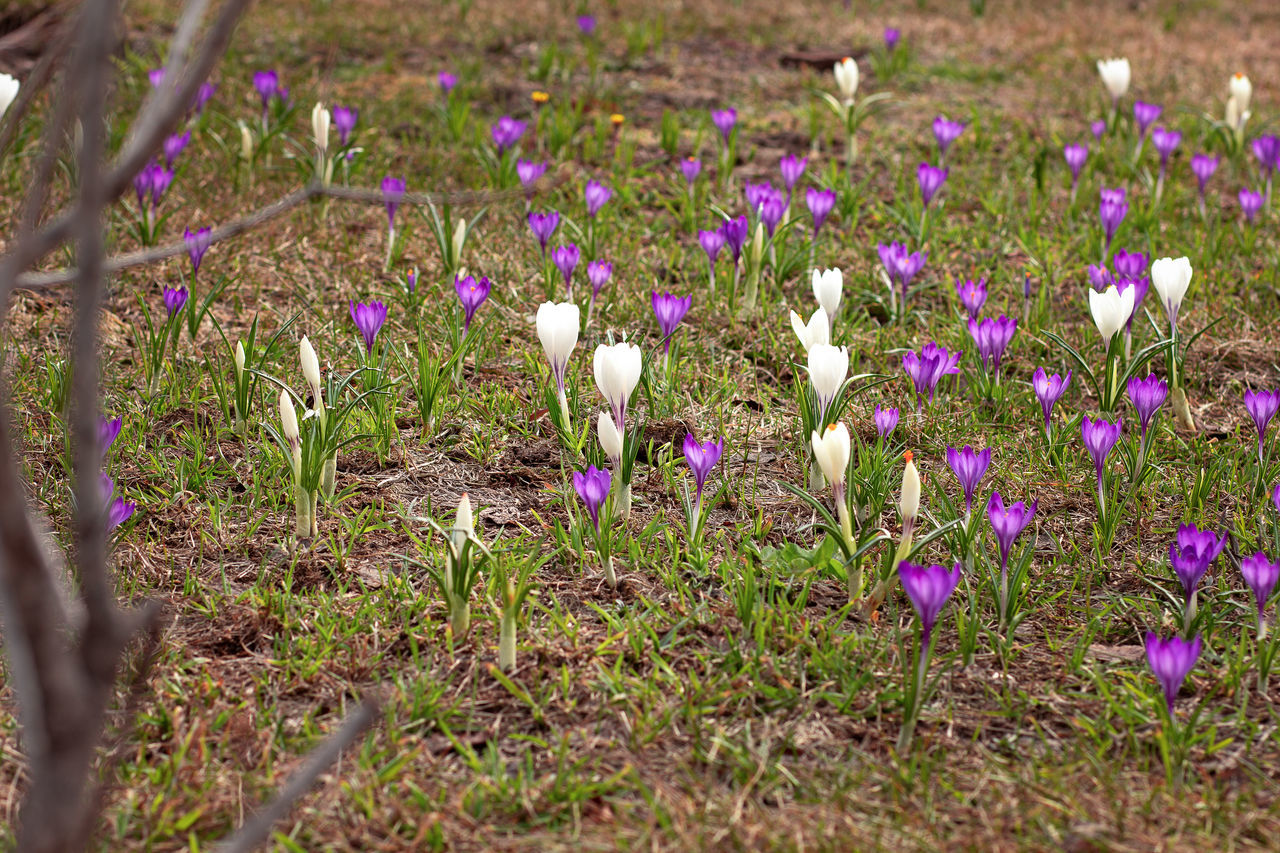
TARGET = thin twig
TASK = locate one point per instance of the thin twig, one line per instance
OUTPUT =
(257, 829)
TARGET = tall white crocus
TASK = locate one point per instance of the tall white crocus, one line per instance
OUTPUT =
(831, 449)
(1115, 74)
(320, 121)
(459, 240)
(828, 285)
(818, 331)
(828, 366)
(1111, 309)
(9, 86)
(610, 439)
(617, 369)
(311, 372)
(908, 503)
(1171, 277)
(557, 324)
(846, 71)
(289, 428)
(1241, 91)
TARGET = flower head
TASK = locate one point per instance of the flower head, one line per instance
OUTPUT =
(886, 421)
(598, 273)
(1267, 150)
(1165, 142)
(817, 331)
(566, 260)
(931, 179)
(1147, 396)
(1075, 155)
(1250, 203)
(969, 466)
(1112, 210)
(725, 120)
(1098, 128)
(1171, 278)
(528, 172)
(1172, 660)
(1008, 523)
(118, 510)
(592, 487)
(1049, 389)
(973, 295)
(392, 193)
(1099, 437)
(701, 458)
(831, 450)
(174, 144)
(1111, 309)
(268, 85)
(1203, 166)
(447, 80)
(174, 299)
(792, 167)
(557, 325)
(992, 337)
(946, 132)
(1192, 554)
(735, 235)
(543, 225)
(472, 294)
(1145, 115)
(369, 319)
(928, 366)
(617, 371)
(344, 121)
(1262, 407)
(596, 194)
(198, 242)
(1130, 264)
(820, 204)
(506, 132)
(891, 37)
(669, 310)
(690, 167)
(928, 588)
(712, 242)
(828, 367)
(587, 24)
(846, 71)
(1261, 575)
(108, 430)
(1115, 75)
(828, 285)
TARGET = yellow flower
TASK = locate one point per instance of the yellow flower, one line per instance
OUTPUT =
(540, 97)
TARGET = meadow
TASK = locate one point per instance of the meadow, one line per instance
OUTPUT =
(725, 425)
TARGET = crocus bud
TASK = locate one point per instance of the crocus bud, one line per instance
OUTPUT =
(311, 370)
(831, 449)
(827, 287)
(289, 426)
(1241, 91)
(459, 239)
(617, 369)
(757, 246)
(610, 438)
(464, 527)
(1115, 74)
(246, 141)
(320, 127)
(239, 360)
(909, 505)
(846, 71)
(817, 332)
(8, 92)
(1111, 309)
(1171, 277)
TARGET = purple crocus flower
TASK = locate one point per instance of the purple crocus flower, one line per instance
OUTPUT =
(701, 459)
(690, 167)
(1262, 407)
(1131, 264)
(528, 172)
(392, 192)
(1049, 389)
(886, 421)
(118, 510)
(1192, 554)
(156, 77)
(506, 132)
(268, 85)
(992, 337)
(1261, 575)
(108, 431)
(543, 225)
(197, 244)
(174, 299)
(1165, 142)
(931, 179)
(344, 121)
(174, 143)
(470, 292)
(820, 204)
(946, 132)
(566, 260)
(1008, 523)
(1250, 203)
(1172, 660)
(1267, 150)
(969, 466)
(712, 242)
(587, 24)
(928, 588)
(1098, 128)
(973, 295)
(411, 280)
(1111, 211)
(596, 194)
(1203, 166)
(203, 96)
(1147, 396)
(891, 37)
(1100, 277)
(927, 367)
(598, 273)
(725, 120)
(902, 266)
(592, 487)
(792, 168)
(757, 194)
(447, 80)
(1099, 437)
(1275, 497)
(670, 310)
(153, 181)
(368, 319)
(1075, 155)
(735, 235)
(771, 212)
(1145, 115)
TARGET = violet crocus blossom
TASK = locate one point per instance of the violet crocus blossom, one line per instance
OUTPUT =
(1275, 498)
(156, 77)
(891, 37)
(1008, 523)
(1191, 555)
(108, 431)
(1250, 203)
(1261, 575)
(669, 310)
(197, 244)
(566, 260)
(1171, 661)
(1262, 407)
(969, 466)
(1075, 155)
(946, 132)
(701, 459)
(712, 242)
(1203, 166)
(901, 265)
(528, 172)
(927, 367)
(1100, 277)
(1267, 150)
(174, 144)
(973, 295)
(471, 293)
(506, 132)
(592, 487)
(448, 81)
(368, 319)
(118, 509)
(1049, 389)
(411, 280)
(203, 96)
(1131, 264)
(268, 85)
(174, 299)
(543, 225)
(1165, 142)
(792, 168)
(392, 192)
(1147, 396)
(772, 210)
(1145, 115)
(595, 195)
(1112, 210)
(992, 337)
(587, 24)
(690, 167)
(344, 121)
(725, 120)
(928, 589)
(1098, 128)
(735, 235)
(886, 420)
(931, 179)
(598, 274)
(1099, 437)
(820, 203)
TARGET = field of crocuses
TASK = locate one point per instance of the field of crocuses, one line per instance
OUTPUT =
(730, 425)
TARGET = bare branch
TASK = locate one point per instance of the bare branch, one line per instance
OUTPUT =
(258, 828)
(39, 77)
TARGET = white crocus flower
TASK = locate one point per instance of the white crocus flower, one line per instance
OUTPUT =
(464, 526)
(1115, 75)
(831, 448)
(246, 141)
(817, 332)
(617, 369)
(557, 324)
(459, 240)
(846, 71)
(9, 86)
(1171, 277)
(828, 285)
(828, 366)
(1111, 309)
(239, 360)
(610, 438)
(289, 427)
(311, 372)
(1241, 91)
(909, 503)
(320, 120)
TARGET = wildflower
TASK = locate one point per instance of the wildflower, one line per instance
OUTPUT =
(931, 179)
(368, 319)
(828, 366)
(1262, 407)
(566, 260)
(268, 85)
(909, 497)
(992, 337)
(447, 80)
(596, 195)
(1261, 575)
(108, 431)
(1049, 389)
(1250, 203)
(792, 168)
(1172, 660)
(506, 132)
(886, 421)
(1008, 523)
(557, 325)
(321, 118)
(690, 167)
(828, 286)
(543, 225)
(1111, 212)
(1098, 128)
(472, 294)
(846, 72)
(725, 120)
(928, 589)
(817, 331)
(203, 96)
(946, 132)
(344, 121)
(587, 24)
(1267, 150)
(311, 372)
(1203, 166)
(1099, 437)
(969, 466)
(617, 372)
(1165, 142)
(598, 273)
(735, 235)
(1145, 115)
(712, 242)
(1115, 75)
(1147, 396)
(392, 194)
(592, 487)
(174, 144)
(528, 172)
(701, 459)
(118, 510)
(174, 299)
(1075, 155)
(1111, 309)
(891, 38)
(670, 310)
(927, 367)
(973, 295)
(198, 243)
(1171, 278)
(820, 203)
